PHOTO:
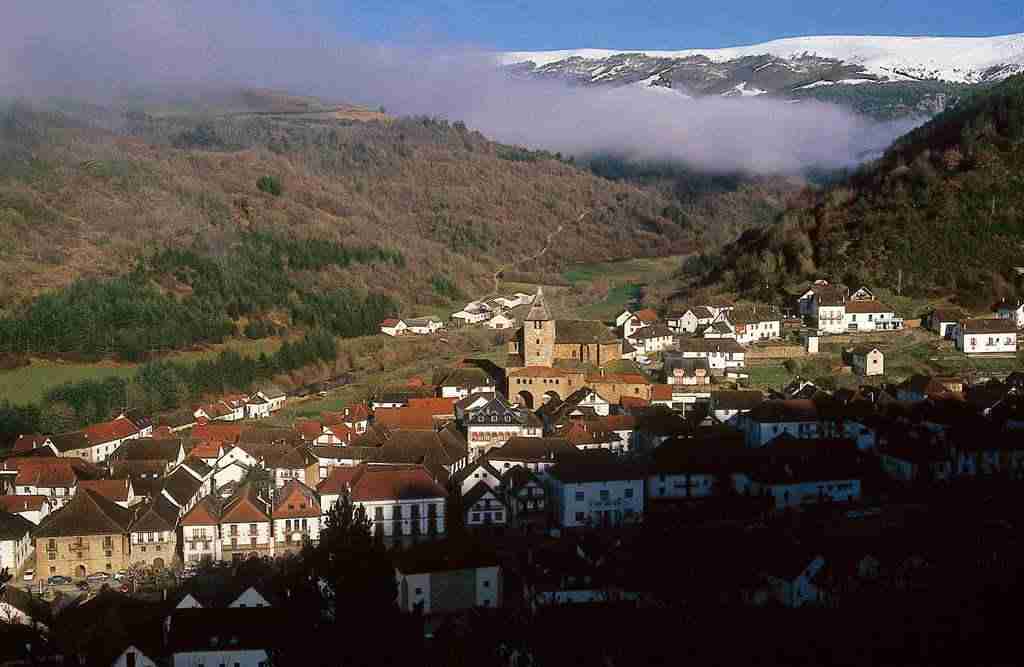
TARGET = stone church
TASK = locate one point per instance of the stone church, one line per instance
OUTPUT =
(549, 357)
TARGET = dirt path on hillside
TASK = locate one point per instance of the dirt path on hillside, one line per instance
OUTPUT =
(543, 251)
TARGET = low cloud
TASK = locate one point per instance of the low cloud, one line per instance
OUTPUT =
(106, 48)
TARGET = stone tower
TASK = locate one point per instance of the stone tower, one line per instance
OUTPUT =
(539, 334)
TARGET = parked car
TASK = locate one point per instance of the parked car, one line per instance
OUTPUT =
(82, 585)
(119, 575)
(98, 576)
(29, 575)
(58, 580)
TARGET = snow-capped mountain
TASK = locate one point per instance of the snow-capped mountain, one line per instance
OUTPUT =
(931, 69)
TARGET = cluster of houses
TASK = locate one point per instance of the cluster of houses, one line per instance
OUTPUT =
(497, 313)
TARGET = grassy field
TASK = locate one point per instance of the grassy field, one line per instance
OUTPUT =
(29, 384)
(637, 271)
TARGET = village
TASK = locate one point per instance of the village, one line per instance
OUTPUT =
(589, 434)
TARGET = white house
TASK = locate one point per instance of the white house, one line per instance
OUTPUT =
(257, 408)
(986, 336)
(690, 319)
(393, 327)
(33, 508)
(423, 326)
(721, 354)
(770, 419)
(484, 506)
(471, 315)
(97, 442)
(200, 529)
(870, 315)
(794, 484)
(501, 322)
(237, 636)
(273, 395)
(495, 422)
(596, 494)
(297, 517)
(478, 472)
(867, 361)
(428, 581)
(1013, 310)
(805, 302)
(727, 406)
(756, 324)
(652, 338)
(399, 499)
(944, 321)
(15, 541)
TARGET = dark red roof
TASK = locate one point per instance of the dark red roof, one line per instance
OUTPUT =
(205, 513)
(296, 500)
(115, 429)
(115, 490)
(16, 504)
(246, 506)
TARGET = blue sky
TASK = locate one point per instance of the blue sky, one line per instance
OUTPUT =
(661, 24)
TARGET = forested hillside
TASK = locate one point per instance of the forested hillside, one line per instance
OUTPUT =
(944, 207)
(115, 222)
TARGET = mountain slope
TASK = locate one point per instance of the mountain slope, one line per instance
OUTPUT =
(185, 209)
(944, 207)
(923, 73)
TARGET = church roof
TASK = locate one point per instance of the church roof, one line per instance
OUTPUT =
(583, 331)
(539, 311)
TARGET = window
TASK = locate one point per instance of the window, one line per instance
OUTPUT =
(52, 545)
(487, 583)
(579, 516)
(628, 493)
(419, 591)
(499, 516)
(476, 516)
(604, 495)
(579, 495)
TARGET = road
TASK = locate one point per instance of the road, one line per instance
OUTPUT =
(543, 251)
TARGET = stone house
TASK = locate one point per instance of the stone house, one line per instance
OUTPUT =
(89, 534)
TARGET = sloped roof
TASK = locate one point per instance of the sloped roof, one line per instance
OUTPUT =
(736, 400)
(583, 471)
(653, 331)
(705, 345)
(246, 506)
(66, 442)
(861, 307)
(531, 449)
(45, 472)
(395, 482)
(790, 410)
(14, 526)
(87, 513)
(205, 513)
(181, 486)
(990, 326)
(227, 629)
(218, 431)
(583, 331)
(26, 443)
(539, 310)
(17, 503)
(479, 490)
(338, 480)
(661, 392)
(115, 429)
(295, 500)
(114, 490)
(155, 515)
(150, 449)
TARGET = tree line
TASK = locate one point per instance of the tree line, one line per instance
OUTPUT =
(160, 386)
(132, 316)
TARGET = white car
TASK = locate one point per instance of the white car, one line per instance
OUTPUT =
(30, 575)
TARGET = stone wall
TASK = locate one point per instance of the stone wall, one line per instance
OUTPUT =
(77, 557)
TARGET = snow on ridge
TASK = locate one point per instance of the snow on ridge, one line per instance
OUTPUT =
(950, 58)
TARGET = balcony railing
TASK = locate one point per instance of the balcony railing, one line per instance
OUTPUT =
(610, 502)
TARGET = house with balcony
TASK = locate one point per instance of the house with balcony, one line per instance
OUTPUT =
(154, 533)
(88, 534)
(245, 524)
(593, 494)
(485, 506)
(297, 516)
(986, 336)
(525, 495)
(200, 531)
(399, 499)
(52, 478)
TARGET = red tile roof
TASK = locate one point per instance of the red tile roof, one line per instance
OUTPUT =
(51, 473)
(15, 504)
(206, 450)
(115, 429)
(246, 506)
(205, 513)
(338, 479)
(646, 315)
(617, 378)
(26, 443)
(308, 428)
(617, 422)
(860, 307)
(661, 392)
(115, 490)
(389, 322)
(633, 402)
(437, 406)
(395, 482)
(410, 419)
(296, 500)
(376, 482)
(218, 432)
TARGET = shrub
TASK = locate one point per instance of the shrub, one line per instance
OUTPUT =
(270, 184)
